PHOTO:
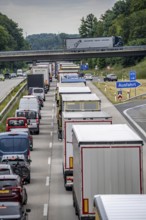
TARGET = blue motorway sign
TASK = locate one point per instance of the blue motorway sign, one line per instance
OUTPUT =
(127, 84)
(132, 75)
(84, 67)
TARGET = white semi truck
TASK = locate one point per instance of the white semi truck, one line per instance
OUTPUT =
(94, 43)
(107, 160)
(68, 120)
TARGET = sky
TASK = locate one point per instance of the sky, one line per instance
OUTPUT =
(52, 16)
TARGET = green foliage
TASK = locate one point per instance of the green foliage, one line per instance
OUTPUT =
(88, 26)
(48, 41)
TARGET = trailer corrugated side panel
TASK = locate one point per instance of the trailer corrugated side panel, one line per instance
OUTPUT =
(67, 135)
(110, 170)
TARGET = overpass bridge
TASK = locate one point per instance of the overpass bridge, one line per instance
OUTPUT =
(65, 55)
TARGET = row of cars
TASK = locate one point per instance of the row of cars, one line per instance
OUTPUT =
(16, 145)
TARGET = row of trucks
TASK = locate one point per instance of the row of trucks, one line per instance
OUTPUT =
(99, 158)
(43, 69)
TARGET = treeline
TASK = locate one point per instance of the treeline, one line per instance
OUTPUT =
(11, 38)
(49, 41)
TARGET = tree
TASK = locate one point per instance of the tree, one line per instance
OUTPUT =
(4, 38)
(88, 26)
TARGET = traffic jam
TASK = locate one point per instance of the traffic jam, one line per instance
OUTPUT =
(102, 161)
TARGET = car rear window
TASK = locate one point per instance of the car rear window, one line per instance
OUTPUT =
(4, 171)
(38, 90)
(9, 211)
(13, 144)
(27, 114)
(8, 182)
(19, 122)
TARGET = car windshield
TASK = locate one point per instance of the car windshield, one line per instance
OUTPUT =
(8, 182)
(13, 145)
(4, 171)
(6, 212)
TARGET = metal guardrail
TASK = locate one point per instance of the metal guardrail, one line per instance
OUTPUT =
(136, 97)
(12, 102)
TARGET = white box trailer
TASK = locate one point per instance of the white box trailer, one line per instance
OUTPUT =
(107, 160)
(67, 91)
(120, 207)
(68, 120)
(77, 102)
(81, 102)
(96, 42)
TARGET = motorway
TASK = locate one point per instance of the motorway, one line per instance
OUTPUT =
(47, 196)
(8, 85)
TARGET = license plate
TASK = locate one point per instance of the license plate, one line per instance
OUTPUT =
(4, 191)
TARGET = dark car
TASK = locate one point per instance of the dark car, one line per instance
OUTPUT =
(7, 76)
(12, 189)
(13, 210)
(110, 77)
(20, 166)
(14, 143)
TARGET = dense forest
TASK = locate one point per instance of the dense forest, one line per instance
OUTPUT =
(127, 18)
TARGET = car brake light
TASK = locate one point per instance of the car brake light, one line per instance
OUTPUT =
(37, 120)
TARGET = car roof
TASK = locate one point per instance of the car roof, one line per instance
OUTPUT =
(19, 129)
(16, 118)
(10, 203)
(26, 110)
(10, 133)
(9, 176)
(3, 165)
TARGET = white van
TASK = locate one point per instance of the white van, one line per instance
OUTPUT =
(29, 103)
(37, 91)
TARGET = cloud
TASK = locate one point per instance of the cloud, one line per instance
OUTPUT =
(52, 16)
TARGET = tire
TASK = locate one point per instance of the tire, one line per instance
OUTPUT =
(26, 198)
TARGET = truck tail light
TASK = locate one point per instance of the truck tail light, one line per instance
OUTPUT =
(71, 162)
(85, 206)
(37, 120)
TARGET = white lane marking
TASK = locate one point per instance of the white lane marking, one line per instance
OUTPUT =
(52, 124)
(52, 116)
(51, 133)
(47, 181)
(45, 212)
(49, 160)
(139, 128)
(53, 104)
(50, 145)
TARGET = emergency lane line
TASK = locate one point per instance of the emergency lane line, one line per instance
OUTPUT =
(136, 125)
(49, 160)
(45, 211)
(51, 133)
(50, 145)
(47, 181)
